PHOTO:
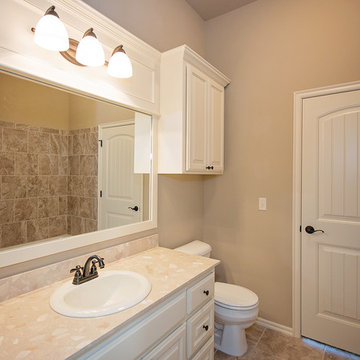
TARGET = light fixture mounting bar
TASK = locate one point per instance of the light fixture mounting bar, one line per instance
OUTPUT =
(70, 54)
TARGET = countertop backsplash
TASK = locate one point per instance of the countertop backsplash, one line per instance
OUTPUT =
(31, 280)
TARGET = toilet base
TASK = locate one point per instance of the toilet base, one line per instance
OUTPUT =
(232, 341)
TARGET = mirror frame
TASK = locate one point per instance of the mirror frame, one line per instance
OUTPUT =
(27, 252)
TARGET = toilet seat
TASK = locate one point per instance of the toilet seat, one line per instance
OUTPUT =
(235, 297)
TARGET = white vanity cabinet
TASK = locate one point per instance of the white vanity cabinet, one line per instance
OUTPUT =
(181, 328)
(191, 126)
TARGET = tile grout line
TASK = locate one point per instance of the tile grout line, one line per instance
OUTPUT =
(260, 337)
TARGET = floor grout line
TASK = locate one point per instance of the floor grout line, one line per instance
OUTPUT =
(321, 353)
(260, 337)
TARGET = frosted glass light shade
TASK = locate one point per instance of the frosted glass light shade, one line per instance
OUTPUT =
(89, 51)
(50, 33)
(120, 65)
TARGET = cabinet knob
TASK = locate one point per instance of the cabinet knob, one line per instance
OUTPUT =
(211, 167)
(208, 167)
(206, 327)
(206, 292)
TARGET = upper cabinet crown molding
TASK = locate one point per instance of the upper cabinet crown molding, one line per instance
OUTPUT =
(19, 54)
(191, 126)
(191, 57)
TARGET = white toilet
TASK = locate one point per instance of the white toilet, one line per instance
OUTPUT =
(236, 308)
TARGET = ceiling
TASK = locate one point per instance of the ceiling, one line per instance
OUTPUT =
(209, 9)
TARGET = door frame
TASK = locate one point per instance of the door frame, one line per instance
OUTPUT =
(299, 97)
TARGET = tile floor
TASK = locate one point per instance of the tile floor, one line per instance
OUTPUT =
(267, 344)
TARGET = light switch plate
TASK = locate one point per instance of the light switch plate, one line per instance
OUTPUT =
(262, 203)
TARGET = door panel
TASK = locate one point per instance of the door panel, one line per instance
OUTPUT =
(330, 202)
(216, 127)
(339, 170)
(196, 120)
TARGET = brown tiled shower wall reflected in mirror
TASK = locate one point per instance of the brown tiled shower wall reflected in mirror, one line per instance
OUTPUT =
(48, 182)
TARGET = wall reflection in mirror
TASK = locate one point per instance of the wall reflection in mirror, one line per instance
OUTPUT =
(68, 164)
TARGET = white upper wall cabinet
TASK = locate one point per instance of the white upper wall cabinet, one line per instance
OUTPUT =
(191, 127)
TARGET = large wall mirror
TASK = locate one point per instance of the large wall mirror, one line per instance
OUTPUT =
(69, 165)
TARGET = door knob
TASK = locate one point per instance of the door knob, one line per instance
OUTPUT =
(310, 230)
(135, 208)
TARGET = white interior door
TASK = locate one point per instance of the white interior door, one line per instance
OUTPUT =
(121, 188)
(330, 310)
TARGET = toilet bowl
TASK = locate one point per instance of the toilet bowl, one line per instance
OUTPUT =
(236, 308)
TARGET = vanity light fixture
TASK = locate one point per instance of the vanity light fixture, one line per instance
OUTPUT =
(88, 52)
(119, 64)
(50, 32)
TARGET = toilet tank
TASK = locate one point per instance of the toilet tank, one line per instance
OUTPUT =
(195, 247)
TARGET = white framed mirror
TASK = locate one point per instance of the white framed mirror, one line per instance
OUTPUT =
(75, 170)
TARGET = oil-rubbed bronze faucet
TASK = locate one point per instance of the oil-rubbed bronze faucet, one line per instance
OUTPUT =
(88, 273)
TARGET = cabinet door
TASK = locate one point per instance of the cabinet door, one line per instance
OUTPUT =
(206, 352)
(199, 328)
(172, 348)
(196, 119)
(215, 128)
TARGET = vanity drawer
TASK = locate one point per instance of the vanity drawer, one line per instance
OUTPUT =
(172, 348)
(200, 293)
(206, 352)
(132, 343)
(199, 328)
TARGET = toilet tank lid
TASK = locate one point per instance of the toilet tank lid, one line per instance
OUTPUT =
(195, 247)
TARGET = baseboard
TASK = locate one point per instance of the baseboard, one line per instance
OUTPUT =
(275, 326)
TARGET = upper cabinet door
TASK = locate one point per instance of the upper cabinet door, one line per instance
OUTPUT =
(196, 119)
(215, 128)
(191, 126)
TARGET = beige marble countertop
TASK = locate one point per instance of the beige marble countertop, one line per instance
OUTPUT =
(30, 329)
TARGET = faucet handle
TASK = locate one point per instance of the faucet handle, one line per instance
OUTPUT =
(77, 276)
(77, 268)
(93, 269)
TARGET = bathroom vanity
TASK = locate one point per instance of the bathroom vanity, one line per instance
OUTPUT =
(175, 318)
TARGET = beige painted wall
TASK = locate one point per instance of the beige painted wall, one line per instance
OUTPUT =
(269, 49)
(164, 24)
(26, 102)
(85, 112)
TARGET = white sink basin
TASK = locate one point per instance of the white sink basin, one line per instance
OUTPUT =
(109, 293)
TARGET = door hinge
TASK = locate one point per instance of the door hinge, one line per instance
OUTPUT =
(300, 228)
(101, 143)
(100, 193)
